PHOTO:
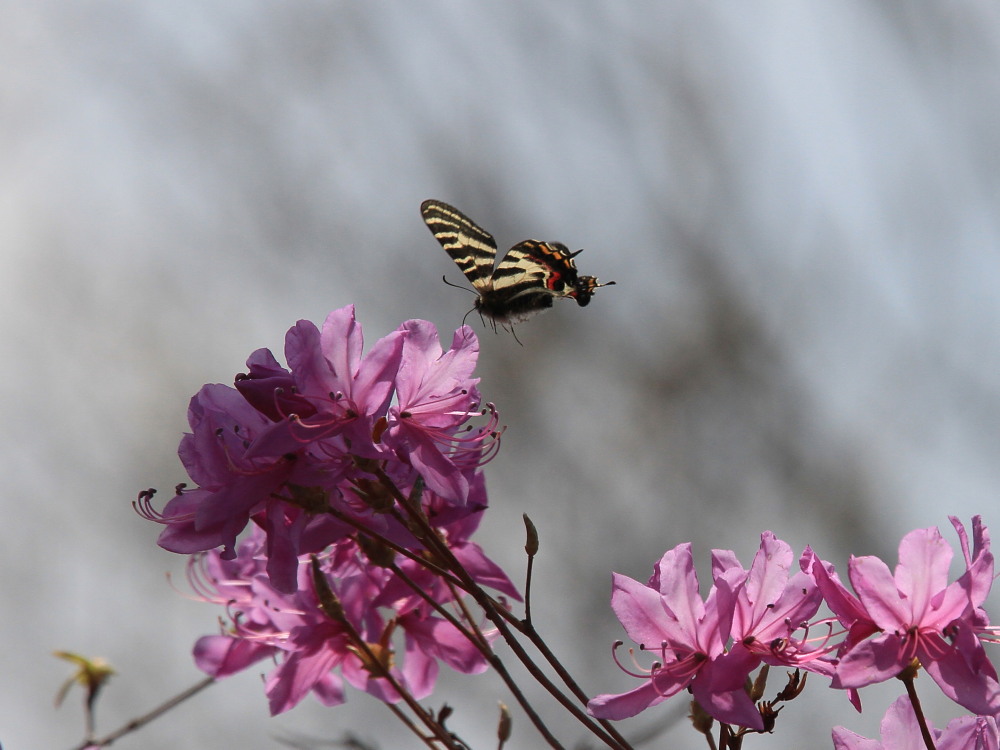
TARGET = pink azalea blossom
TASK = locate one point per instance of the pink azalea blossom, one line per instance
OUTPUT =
(229, 583)
(900, 731)
(919, 615)
(231, 486)
(235, 487)
(669, 618)
(750, 617)
(287, 445)
(436, 396)
(346, 392)
(770, 606)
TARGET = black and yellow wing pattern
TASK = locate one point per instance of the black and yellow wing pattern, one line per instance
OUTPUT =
(525, 281)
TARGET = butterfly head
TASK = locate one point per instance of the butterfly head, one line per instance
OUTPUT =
(584, 289)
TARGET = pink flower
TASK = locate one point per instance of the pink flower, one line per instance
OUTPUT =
(900, 731)
(339, 391)
(229, 583)
(769, 606)
(667, 616)
(750, 616)
(297, 450)
(232, 486)
(919, 615)
(436, 396)
(236, 486)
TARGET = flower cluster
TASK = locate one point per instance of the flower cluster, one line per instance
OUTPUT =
(711, 646)
(893, 623)
(360, 480)
(332, 518)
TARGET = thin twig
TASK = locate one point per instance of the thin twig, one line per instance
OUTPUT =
(141, 721)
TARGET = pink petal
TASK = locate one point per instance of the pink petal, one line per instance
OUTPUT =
(724, 560)
(342, 343)
(625, 705)
(221, 656)
(485, 571)
(899, 727)
(292, 680)
(924, 557)
(640, 610)
(303, 353)
(978, 578)
(420, 670)
(729, 671)
(438, 471)
(844, 739)
(876, 588)
(769, 570)
(373, 384)
(970, 733)
(871, 661)
(679, 589)
(966, 676)
(730, 706)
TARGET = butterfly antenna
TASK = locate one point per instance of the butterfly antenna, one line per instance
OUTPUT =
(463, 288)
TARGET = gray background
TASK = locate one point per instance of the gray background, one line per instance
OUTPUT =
(799, 203)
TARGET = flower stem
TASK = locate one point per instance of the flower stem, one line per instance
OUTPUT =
(911, 691)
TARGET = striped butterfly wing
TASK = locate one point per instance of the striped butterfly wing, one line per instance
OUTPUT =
(560, 276)
(545, 267)
(471, 247)
(526, 280)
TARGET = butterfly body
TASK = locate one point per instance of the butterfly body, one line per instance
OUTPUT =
(525, 281)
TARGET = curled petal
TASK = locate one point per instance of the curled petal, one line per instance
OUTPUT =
(222, 655)
(626, 705)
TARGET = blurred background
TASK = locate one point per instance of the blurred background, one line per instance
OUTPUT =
(801, 208)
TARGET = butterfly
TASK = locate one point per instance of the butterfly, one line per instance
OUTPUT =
(523, 283)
